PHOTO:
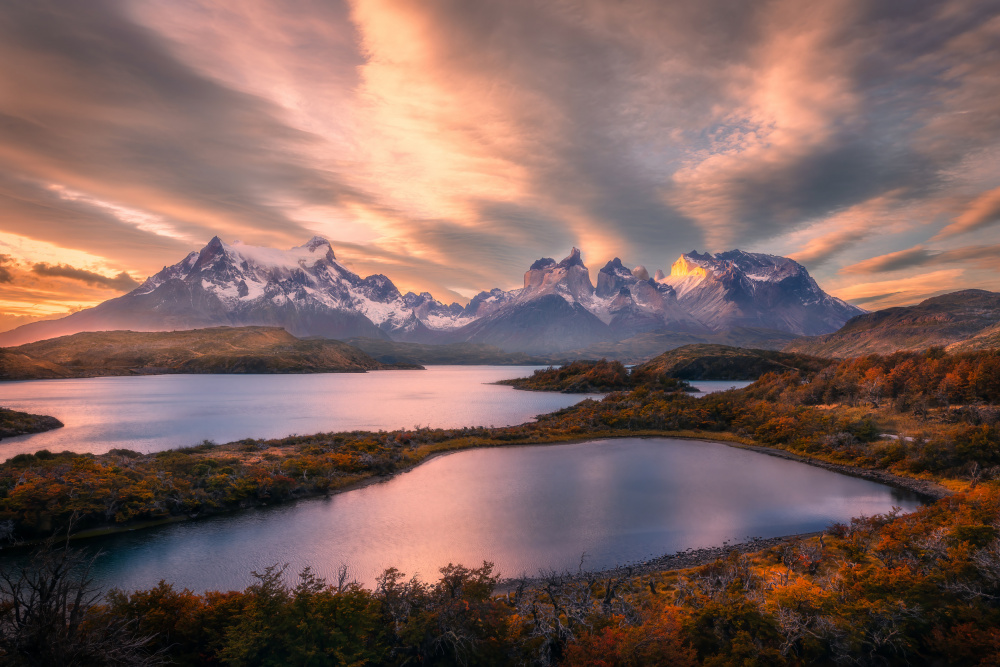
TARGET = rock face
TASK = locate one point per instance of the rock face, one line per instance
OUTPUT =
(306, 291)
(743, 289)
(549, 314)
(964, 321)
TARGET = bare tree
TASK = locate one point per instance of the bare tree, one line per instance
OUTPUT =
(49, 615)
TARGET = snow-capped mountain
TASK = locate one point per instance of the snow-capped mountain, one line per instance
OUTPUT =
(309, 293)
(553, 312)
(304, 289)
(744, 289)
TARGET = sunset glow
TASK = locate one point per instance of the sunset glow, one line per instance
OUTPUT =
(448, 145)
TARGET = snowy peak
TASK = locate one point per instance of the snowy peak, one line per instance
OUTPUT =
(320, 243)
(738, 288)
(308, 292)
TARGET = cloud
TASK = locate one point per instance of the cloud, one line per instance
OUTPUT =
(985, 255)
(123, 282)
(887, 293)
(894, 261)
(981, 212)
(448, 144)
(6, 275)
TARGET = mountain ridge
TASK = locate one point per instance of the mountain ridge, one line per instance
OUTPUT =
(953, 319)
(308, 292)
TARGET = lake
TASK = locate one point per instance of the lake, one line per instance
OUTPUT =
(156, 412)
(523, 508)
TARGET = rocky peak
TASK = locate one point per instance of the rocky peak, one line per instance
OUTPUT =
(572, 259)
(320, 243)
(543, 263)
(569, 279)
(613, 278)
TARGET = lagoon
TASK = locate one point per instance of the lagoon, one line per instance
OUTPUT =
(526, 509)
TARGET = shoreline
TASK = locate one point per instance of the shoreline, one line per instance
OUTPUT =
(929, 491)
(669, 562)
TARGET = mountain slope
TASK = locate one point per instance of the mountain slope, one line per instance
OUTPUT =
(721, 362)
(304, 290)
(942, 320)
(743, 289)
(215, 350)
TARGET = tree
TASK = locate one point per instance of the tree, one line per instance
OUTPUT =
(49, 616)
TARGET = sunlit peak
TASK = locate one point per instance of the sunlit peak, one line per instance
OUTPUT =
(684, 268)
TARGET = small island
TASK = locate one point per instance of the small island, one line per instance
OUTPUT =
(669, 371)
(593, 377)
(14, 423)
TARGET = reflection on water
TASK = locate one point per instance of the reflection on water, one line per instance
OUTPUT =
(524, 508)
(157, 412)
(705, 387)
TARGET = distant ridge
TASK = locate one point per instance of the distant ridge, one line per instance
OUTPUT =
(215, 350)
(966, 320)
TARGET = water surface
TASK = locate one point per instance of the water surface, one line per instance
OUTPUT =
(524, 508)
(156, 412)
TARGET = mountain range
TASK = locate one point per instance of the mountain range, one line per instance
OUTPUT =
(309, 293)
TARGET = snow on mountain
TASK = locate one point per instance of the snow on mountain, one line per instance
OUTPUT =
(737, 288)
(307, 291)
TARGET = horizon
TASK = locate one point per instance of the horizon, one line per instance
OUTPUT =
(449, 146)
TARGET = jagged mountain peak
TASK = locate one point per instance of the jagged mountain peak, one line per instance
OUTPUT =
(572, 259)
(319, 243)
(307, 291)
(543, 263)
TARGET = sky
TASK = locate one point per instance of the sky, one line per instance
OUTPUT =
(448, 144)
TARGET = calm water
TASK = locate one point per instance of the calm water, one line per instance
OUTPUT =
(156, 412)
(524, 508)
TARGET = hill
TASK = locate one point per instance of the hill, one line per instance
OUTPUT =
(645, 346)
(392, 352)
(214, 350)
(987, 339)
(721, 362)
(944, 320)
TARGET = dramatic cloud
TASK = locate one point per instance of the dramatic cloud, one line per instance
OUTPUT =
(122, 282)
(448, 144)
(6, 275)
(919, 256)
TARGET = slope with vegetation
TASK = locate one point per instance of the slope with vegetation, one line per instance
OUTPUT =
(938, 322)
(592, 377)
(920, 589)
(215, 350)
(721, 362)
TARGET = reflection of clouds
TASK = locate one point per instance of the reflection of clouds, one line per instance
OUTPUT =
(449, 144)
(524, 508)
